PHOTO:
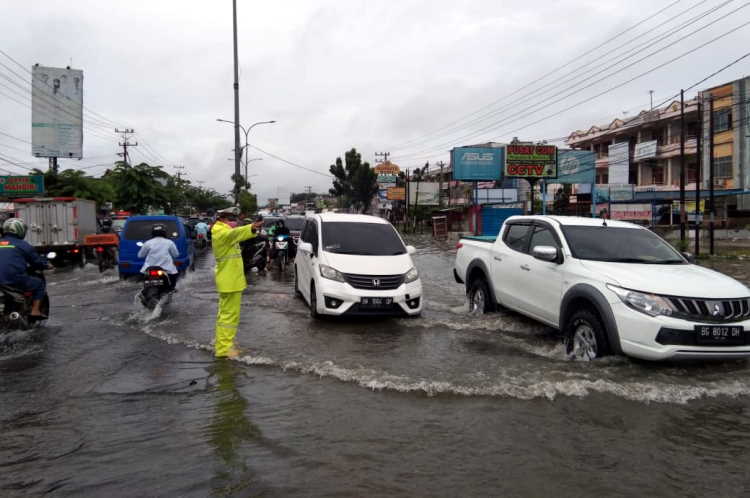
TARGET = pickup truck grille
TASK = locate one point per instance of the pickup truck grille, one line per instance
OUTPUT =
(711, 310)
(374, 282)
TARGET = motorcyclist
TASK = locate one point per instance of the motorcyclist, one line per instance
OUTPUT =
(106, 225)
(279, 228)
(16, 256)
(161, 252)
(201, 229)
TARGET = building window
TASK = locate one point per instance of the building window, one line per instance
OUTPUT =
(722, 120)
(692, 173)
(723, 167)
(657, 174)
(602, 177)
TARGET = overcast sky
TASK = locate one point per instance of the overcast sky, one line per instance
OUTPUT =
(376, 75)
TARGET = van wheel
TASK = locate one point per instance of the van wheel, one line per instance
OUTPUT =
(585, 339)
(313, 303)
(480, 299)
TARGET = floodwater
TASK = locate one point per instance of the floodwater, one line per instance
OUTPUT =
(109, 400)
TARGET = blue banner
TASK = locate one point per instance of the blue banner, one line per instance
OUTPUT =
(575, 166)
(477, 163)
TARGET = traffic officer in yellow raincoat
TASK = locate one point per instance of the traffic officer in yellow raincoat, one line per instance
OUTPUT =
(230, 277)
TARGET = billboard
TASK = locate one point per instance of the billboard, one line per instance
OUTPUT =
(396, 194)
(619, 163)
(630, 212)
(383, 179)
(531, 161)
(387, 168)
(477, 163)
(645, 150)
(576, 166)
(21, 185)
(428, 192)
(56, 112)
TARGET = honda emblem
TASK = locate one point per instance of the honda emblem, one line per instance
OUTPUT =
(375, 282)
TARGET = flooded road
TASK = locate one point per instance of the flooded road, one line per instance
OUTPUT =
(109, 400)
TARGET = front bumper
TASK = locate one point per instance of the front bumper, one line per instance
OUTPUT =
(666, 338)
(339, 298)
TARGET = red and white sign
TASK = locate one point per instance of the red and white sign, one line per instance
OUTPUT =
(630, 211)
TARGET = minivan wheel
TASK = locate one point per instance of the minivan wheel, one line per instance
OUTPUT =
(480, 299)
(296, 283)
(585, 339)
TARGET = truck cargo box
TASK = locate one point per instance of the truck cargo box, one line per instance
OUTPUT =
(58, 221)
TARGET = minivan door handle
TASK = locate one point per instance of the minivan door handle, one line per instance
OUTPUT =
(498, 258)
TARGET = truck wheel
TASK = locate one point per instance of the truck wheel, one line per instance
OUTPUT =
(585, 338)
(480, 299)
(82, 259)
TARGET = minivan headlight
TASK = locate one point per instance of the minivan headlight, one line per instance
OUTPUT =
(331, 273)
(650, 304)
(411, 275)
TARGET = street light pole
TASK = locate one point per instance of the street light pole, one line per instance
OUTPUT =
(238, 150)
(236, 109)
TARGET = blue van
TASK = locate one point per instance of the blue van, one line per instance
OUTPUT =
(138, 229)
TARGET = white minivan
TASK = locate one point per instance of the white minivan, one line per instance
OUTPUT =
(350, 264)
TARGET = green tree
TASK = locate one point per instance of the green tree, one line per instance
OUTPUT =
(248, 202)
(75, 183)
(355, 182)
(138, 188)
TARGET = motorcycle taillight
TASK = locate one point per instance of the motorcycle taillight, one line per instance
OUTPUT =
(99, 249)
(155, 273)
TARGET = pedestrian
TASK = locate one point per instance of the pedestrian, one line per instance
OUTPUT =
(230, 278)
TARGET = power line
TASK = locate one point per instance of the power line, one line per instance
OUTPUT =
(615, 87)
(576, 75)
(327, 175)
(550, 73)
(14, 138)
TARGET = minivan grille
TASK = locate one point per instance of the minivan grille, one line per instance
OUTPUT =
(711, 310)
(374, 282)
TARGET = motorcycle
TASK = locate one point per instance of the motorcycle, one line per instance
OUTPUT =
(255, 253)
(156, 284)
(281, 246)
(17, 304)
(201, 242)
(106, 257)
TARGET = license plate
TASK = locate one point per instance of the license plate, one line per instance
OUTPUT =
(376, 302)
(150, 283)
(719, 335)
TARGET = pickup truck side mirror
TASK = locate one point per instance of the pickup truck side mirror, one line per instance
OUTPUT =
(545, 253)
(689, 257)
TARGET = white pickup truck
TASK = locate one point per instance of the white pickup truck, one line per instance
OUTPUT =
(610, 287)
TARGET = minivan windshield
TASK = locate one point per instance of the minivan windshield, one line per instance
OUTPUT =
(620, 245)
(141, 229)
(363, 239)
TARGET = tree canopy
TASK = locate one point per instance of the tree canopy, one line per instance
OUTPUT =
(355, 182)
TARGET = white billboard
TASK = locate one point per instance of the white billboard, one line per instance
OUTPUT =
(619, 163)
(56, 112)
(428, 192)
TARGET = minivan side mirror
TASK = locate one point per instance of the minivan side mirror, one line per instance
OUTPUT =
(305, 247)
(411, 249)
(545, 253)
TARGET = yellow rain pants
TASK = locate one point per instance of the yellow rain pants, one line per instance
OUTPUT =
(230, 281)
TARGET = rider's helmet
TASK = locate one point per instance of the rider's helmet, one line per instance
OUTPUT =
(158, 231)
(15, 226)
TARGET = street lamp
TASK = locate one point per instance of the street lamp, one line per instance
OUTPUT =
(247, 132)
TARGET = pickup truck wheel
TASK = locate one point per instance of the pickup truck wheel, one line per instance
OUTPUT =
(585, 339)
(480, 299)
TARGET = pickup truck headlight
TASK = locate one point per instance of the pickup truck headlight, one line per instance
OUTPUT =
(411, 276)
(331, 273)
(650, 304)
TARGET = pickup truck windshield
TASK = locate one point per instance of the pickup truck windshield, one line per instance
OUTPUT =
(363, 239)
(619, 245)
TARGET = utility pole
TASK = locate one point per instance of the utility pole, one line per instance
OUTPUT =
(698, 177)
(382, 156)
(308, 198)
(683, 216)
(711, 205)
(125, 144)
(53, 164)
(237, 150)
(179, 172)
(441, 164)
(651, 95)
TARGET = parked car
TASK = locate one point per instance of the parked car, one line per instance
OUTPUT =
(138, 229)
(356, 265)
(611, 287)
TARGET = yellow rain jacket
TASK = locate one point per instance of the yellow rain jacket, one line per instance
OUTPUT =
(229, 272)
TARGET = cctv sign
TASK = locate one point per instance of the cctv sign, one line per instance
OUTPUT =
(531, 161)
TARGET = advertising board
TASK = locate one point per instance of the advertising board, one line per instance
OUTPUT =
(619, 163)
(56, 112)
(396, 193)
(383, 179)
(630, 211)
(575, 166)
(530, 161)
(428, 193)
(477, 163)
(387, 168)
(645, 150)
(21, 185)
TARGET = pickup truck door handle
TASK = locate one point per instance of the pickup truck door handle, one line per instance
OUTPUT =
(498, 258)
(525, 268)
